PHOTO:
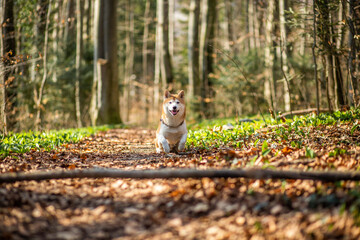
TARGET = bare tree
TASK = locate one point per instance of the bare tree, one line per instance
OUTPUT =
(96, 86)
(284, 61)
(78, 61)
(109, 112)
(8, 86)
(166, 61)
(193, 50)
(158, 54)
(44, 77)
(269, 86)
(129, 60)
(146, 78)
(207, 42)
(105, 92)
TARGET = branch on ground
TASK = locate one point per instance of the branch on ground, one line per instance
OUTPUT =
(301, 112)
(253, 173)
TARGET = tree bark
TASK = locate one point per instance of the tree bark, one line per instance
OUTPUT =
(230, 27)
(269, 86)
(314, 60)
(44, 77)
(78, 62)
(251, 24)
(158, 54)
(207, 45)
(193, 51)
(129, 60)
(166, 62)
(171, 27)
(251, 173)
(109, 111)
(146, 78)
(8, 92)
(96, 85)
(284, 61)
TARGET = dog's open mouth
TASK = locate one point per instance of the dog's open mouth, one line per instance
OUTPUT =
(174, 112)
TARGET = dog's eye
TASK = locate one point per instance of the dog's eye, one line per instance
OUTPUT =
(170, 102)
(177, 102)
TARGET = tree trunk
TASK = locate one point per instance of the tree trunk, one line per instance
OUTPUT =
(230, 28)
(269, 86)
(96, 85)
(158, 54)
(44, 77)
(314, 60)
(284, 61)
(166, 62)
(8, 91)
(171, 27)
(193, 50)
(146, 78)
(251, 24)
(353, 50)
(325, 33)
(207, 40)
(129, 61)
(109, 111)
(256, 26)
(78, 62)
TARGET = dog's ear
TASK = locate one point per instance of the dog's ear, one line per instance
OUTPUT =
(166, 94)
(181, 94)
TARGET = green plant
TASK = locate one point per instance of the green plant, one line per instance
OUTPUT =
(27, 141)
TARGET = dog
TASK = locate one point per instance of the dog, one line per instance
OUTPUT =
(171, 133)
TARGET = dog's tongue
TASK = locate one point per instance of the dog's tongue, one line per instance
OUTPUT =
(174, 112)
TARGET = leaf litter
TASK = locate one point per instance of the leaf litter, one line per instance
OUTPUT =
(187, 208)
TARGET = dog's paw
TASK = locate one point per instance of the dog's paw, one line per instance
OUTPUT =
(181, 147)
(166, 149)
(158, 150)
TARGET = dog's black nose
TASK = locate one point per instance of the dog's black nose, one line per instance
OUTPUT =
(174, 107)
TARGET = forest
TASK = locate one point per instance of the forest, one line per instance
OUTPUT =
(80, 63)
(272, 92)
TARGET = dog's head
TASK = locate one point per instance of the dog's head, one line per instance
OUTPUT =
(174, 104)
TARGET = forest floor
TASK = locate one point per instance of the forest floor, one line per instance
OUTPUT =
(183, 208)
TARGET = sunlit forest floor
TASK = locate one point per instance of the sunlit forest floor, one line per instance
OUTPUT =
(191, 208)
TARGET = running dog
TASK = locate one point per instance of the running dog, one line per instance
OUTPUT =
(172, 133)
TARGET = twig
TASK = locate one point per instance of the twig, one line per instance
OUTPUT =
(253, 173)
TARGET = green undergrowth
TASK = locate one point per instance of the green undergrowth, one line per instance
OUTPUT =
(47, 140)
(231, 132)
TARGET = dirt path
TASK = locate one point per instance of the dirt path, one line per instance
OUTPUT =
(165, 209)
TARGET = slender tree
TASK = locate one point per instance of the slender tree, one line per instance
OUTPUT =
(269, 86)
(44, 77)
(96, 85)
(79, 41)
(207, 45)
(166, 61)
(129, 60)
(284, 61)
(193, 50)
(8, 86)
(145, 74)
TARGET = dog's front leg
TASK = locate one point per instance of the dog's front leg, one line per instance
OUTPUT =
(182, 142)
(163, 142)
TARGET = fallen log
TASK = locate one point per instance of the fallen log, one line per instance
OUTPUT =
(253, 173)
(301, 112)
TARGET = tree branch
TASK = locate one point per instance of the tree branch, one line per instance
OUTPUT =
(304, 111)
(253, 173)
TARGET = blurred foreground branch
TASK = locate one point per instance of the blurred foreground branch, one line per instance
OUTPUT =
(253, 173)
